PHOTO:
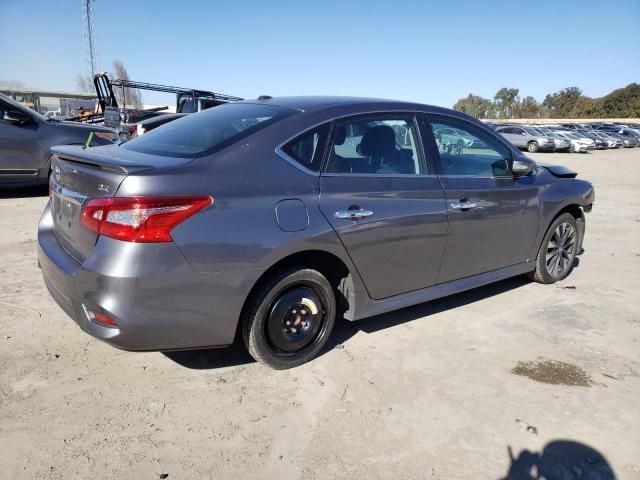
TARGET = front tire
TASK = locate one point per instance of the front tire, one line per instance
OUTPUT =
(533, 146)
(289, 318)
(558, 251)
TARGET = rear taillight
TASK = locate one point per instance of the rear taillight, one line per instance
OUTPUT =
(140, 219)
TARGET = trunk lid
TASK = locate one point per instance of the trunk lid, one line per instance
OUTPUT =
(81, 174)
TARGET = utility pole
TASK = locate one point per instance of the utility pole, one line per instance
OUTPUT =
(89, 35)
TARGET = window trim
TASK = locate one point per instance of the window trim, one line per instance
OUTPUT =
(279, 150)
(288, 158)
(413, 116)
(427, 117)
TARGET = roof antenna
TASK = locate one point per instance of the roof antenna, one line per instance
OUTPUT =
(265, 97)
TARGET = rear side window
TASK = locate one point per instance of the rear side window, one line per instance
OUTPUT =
(385, 145)
(208, 131)
(308, 148)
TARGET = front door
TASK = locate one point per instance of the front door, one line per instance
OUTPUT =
(385, 203)
(493, 217)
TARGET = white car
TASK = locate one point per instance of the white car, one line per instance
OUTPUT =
(578, 143)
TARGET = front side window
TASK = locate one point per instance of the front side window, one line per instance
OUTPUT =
(469, 150)
(208, 131)
(382, 146)
(308, 148)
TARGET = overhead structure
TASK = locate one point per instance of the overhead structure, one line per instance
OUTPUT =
(89, 35)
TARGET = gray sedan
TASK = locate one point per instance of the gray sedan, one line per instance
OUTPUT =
(26, 138)
(527, 138)
(273, 218)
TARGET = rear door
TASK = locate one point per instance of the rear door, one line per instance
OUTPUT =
(385, 202)
(493, 217)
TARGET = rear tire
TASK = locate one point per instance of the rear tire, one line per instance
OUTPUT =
(558, 251)
(289, 318)
(533, 146)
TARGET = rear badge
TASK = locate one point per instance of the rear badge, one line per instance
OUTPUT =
(103, 188)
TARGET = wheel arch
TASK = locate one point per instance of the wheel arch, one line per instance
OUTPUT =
(328, 264)
(576, 211)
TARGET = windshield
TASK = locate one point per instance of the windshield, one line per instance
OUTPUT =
(208, 131)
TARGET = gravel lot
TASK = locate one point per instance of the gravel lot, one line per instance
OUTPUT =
(442, 390)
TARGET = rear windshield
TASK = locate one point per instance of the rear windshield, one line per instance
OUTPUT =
(208, 131)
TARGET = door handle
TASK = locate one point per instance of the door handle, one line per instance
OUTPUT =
(463, 205)
(353, 214)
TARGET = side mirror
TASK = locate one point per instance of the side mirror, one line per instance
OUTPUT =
(522, 166)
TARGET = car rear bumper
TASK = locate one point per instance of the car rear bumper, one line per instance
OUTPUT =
(157, 300)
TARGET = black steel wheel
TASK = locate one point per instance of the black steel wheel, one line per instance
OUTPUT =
(289, 318)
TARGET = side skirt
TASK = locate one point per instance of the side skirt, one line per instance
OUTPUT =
(365, 307)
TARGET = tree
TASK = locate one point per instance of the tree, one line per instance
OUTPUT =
(85, 84)
(560, 104)
(473, 105)
(125, 96)
(567, 103)
(623, 102)
(528, 107)
(505, 100)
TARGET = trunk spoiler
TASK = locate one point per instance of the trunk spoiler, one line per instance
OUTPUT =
(97, 159)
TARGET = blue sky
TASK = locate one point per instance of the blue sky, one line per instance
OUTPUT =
(432, 52)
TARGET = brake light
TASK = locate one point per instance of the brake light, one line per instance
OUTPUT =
(140, 219)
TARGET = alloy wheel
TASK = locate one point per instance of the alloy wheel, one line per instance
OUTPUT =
(561, 250)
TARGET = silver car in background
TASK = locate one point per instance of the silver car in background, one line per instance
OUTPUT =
(612, 142)
(578, 144)
(561, 144)
(527, 138)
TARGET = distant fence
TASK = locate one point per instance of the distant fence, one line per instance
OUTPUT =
(561, 120)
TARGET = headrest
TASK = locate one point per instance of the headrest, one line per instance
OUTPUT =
(380, 141)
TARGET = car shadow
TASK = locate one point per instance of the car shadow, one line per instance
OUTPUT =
(11, 191)
(212, 358)
(237, 354)
(559, 459)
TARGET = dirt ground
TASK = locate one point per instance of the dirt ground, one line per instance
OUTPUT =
(499, 382)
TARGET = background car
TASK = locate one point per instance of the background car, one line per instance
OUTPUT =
(561, 144)
(578, 144)
(26, 138)
(599, 143)
(527, 138)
